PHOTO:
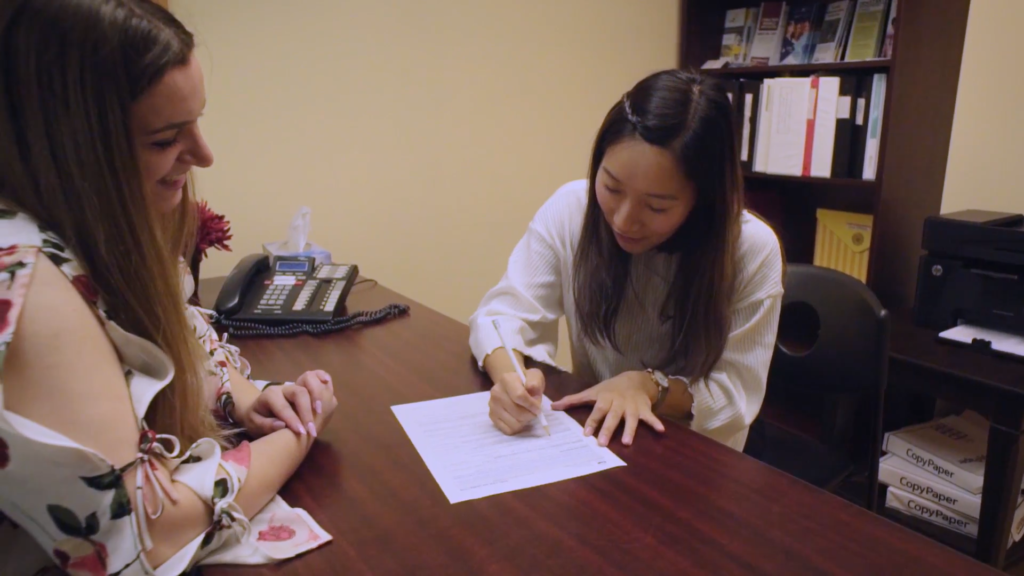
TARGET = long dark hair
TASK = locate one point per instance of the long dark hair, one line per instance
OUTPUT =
(70, 71)
(691, 117)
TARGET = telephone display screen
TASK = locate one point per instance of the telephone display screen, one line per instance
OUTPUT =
(291, 266)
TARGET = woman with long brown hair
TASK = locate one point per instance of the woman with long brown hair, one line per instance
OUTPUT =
(671, 291)
(111, 455)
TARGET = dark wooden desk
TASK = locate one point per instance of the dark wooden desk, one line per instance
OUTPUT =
(991, 385)
(682, 505)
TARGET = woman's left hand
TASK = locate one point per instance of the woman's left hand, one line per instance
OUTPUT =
(628, 395)
(292, 406)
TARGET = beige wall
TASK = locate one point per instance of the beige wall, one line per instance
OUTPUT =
(987, 150)
(423, 135)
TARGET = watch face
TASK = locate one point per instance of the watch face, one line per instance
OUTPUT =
(660, 379)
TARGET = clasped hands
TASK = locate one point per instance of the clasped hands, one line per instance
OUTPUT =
(302, 407)
(628, 396)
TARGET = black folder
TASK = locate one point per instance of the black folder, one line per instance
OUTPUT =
(861, 117)
(732, 89)
(844, 126)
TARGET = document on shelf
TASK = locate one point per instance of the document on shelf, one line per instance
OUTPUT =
(471, 459)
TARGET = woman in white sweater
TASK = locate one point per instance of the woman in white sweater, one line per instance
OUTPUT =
(671, 290)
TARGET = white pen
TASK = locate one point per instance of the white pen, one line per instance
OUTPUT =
(519, 371)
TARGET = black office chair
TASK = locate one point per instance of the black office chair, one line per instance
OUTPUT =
(833, 347)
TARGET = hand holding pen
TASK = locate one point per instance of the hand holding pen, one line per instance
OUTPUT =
(516, 398)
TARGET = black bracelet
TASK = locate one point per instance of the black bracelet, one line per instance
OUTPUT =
(226, 404)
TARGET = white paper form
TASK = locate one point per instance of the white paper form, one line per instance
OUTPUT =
(471, 459)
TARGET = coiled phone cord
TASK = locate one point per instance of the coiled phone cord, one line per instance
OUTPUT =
(242, 328)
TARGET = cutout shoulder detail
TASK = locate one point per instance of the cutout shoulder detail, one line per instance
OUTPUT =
(16, 264)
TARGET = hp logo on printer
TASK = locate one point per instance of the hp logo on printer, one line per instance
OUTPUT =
(936, 270)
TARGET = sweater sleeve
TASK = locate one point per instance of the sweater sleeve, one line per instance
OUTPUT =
(527, 302)
(730, 397)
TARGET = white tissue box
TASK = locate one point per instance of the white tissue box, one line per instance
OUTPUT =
(320, 254)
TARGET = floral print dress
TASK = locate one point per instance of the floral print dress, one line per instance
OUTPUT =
(74, 504)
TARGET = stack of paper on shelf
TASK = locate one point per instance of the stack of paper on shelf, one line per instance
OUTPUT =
(935, 471)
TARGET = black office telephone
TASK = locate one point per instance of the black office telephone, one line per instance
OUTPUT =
(290, 295)
(287, 289)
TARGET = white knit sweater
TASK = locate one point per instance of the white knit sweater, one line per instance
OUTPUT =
(536, 291)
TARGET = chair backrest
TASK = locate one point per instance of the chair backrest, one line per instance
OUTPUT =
(833, 334)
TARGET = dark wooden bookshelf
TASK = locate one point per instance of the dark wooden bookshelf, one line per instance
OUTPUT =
(923, 76)
(877, 65)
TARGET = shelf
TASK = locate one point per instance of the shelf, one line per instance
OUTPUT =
(845, 182)
(947, 537)
(876, 65)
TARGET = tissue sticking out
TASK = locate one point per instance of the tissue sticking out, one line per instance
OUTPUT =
(297, 242)
(298, 232)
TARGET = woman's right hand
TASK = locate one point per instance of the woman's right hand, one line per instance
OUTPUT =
(512, 406)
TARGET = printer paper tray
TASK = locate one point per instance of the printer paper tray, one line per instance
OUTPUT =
(986, 339)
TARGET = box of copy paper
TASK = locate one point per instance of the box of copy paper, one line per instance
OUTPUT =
(907, 503)
(843, 241)
(952, 448)
(915, 506)
(899, 473)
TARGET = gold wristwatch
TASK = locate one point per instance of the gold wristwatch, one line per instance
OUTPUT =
(662, 382)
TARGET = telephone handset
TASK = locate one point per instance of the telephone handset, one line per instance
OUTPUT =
(285, 290)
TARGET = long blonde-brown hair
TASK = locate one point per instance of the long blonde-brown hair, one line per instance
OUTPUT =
(70, 71)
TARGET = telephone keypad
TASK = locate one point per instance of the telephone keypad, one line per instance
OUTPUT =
(275, 296)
